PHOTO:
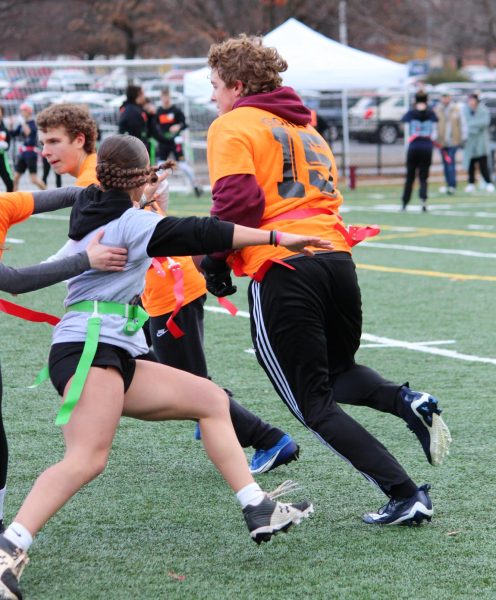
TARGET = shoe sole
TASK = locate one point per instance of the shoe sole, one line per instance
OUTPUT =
(439, 434)
(269, 466)
(417, 514)
(264, 534)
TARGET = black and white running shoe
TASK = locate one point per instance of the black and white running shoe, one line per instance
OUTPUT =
(269, 517)
(422, 416)
(404, 511)
(12, 563)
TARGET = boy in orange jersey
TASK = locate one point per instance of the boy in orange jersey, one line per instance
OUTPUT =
(68, 135)
(269, 168)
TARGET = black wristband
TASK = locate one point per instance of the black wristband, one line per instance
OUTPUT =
(272, 237)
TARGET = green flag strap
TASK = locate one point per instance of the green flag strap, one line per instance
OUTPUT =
(83, 368)
(42, 376)
(136, 315)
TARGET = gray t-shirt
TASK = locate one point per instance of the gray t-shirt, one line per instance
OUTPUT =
(133, 231)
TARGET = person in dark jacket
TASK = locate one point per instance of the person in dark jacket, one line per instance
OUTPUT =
(421, 121)
(5, 170)
(133, 119)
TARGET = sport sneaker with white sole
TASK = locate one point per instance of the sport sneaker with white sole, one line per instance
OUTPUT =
(470, 188)
(12, 563)
(404, 511)
(422, 416)
(285, 451)
(270, 516)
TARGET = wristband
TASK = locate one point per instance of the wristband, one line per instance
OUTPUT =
(272, 237)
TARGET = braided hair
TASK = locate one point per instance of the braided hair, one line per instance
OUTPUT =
(123, 163)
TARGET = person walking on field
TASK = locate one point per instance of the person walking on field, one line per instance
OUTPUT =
(449, 137)
(270, 169)
(93, 362)
(27, 159)
(421, 122)
(476, 149)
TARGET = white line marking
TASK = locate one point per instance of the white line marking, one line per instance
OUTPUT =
(389, 342)
(51, 217)
(10, 240)
(427, 249)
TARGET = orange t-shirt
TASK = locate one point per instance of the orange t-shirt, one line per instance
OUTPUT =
(87, 172)
(14, 208)
(158, 296)
(292, 164)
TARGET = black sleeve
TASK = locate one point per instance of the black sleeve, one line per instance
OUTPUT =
(28, 279)
(180, 118)
(54, 199)
(190, 235)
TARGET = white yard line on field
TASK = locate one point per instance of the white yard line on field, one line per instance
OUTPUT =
(429, 250)
(384, 342)
(51, 217)
(10, 240)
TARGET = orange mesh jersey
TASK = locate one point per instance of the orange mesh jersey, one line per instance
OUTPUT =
(87, 172)
(292, 164)
(14, 208)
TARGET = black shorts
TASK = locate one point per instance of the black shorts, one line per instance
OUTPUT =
(64, 358)
(27, 160)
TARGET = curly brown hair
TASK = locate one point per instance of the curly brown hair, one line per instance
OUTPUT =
(74, 118)
(123, 163)
(246, 59)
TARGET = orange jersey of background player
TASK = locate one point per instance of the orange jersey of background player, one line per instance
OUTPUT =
(15, 207)
(292, 164)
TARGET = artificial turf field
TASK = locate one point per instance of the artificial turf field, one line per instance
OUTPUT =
(161, 523)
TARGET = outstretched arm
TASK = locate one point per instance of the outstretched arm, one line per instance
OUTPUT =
(54, 199)
(35, 277)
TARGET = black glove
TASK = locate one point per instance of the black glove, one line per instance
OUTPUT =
(218, 277)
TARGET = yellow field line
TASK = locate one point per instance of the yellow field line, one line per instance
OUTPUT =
(453, 276)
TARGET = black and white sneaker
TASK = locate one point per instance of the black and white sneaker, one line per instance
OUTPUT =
(422, 416)
(404, 511)
(12, 563)
(269, 517)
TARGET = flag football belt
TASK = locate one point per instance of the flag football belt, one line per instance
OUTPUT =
(353, 235)
(136, 317)
(178, 289)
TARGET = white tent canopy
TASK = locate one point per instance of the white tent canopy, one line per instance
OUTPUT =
(316, 63)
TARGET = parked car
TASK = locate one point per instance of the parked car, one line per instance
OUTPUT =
(68, 80)
(328, 106)
(378, 118)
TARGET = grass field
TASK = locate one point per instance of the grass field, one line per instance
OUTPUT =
(161, 524)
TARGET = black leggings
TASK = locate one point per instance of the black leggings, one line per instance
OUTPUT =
(5, 172)
(4, 449)
(484, 169)
(187, 353)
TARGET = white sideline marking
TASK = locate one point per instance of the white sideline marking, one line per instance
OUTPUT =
(433, 343)
(390, 343)
(51, 217)
(411, 248)
(10, 240)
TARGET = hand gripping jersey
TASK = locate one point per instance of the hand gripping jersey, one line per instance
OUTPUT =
(292, 164)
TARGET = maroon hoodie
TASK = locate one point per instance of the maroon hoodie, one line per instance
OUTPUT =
(239, 198)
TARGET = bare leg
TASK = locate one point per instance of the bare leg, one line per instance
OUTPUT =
(17, 176)
(88, 438)
(159, 392)
(37, 181)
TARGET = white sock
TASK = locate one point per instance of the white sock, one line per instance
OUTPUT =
(250, 494)
(2, 496)
(19, 536)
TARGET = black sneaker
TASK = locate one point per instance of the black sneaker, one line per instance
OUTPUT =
(422, 416)
(269, 517)
(405, 511)
(12, 563)
(198, 191)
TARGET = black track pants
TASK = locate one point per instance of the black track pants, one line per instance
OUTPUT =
(306, 327)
